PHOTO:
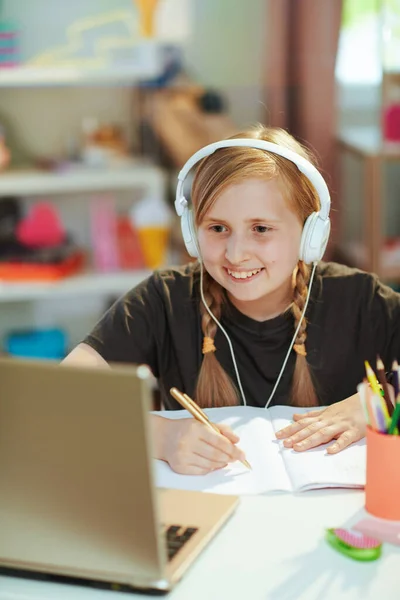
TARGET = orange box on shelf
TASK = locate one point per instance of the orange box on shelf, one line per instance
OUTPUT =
(13, 271)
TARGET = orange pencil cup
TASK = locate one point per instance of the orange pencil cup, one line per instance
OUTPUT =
(382, 489)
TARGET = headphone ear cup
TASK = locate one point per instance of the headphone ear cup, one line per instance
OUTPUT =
(314, 238)
(189, 233)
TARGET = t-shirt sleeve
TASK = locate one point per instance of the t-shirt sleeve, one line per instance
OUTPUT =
(128, 331)
(385, 320)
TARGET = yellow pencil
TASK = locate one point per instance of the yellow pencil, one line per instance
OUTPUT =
(372, 380)
(380, 369)
(186, 402)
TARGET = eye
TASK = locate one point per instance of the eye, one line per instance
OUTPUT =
(218, 228)
(262, 229)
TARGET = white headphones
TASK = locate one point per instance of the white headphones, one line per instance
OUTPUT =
(317, 227)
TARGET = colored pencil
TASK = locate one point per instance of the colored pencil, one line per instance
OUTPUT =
(372, 380)
(380, 368)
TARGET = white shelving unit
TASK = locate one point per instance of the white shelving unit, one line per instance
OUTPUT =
(44, 76)
(80, 180)
(88, 64)
(83, 179)
(113, 284)
(146, 63)
(74, 303)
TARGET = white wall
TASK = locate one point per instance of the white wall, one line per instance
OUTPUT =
(227, 50)
(43, 22)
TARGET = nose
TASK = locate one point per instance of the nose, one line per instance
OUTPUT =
(236, 250)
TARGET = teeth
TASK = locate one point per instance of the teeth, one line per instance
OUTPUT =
(243, 274)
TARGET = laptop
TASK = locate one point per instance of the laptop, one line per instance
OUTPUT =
(78, 500)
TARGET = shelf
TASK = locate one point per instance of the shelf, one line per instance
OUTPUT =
(85, 284)
(146, 64)
(367, 141)
(81, 179)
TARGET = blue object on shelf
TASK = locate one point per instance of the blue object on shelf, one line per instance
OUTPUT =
(48, 344)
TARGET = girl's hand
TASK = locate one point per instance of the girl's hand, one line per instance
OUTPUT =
(191, 448)
(343, 422)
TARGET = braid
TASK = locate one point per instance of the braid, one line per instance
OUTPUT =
(301, 278)
(214, 386)
(213, 296)
(303, 391)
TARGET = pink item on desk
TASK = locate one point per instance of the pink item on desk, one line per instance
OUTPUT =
(386, 531)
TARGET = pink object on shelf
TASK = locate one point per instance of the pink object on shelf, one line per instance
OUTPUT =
(104, 233)
(41, 228)
(8, 64)
(391, 123)
(8, 35)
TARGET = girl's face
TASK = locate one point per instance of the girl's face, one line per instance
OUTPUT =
(249, 242)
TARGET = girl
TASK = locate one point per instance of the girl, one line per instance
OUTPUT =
(250, 322)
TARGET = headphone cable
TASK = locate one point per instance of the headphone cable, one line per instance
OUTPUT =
(230, 343)
(294, 337)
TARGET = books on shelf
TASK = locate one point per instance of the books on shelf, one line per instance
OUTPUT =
(274, 468)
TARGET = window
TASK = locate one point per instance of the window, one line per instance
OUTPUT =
(358, 60)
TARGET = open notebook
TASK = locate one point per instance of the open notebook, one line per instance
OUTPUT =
(274, 468)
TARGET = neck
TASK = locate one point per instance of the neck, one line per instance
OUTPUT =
(267, 307)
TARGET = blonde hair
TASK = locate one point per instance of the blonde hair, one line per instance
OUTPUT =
(214, 174)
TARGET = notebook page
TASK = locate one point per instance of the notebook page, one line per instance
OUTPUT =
(315, 468)
(254, 428)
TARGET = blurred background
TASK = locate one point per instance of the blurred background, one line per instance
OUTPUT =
(102, 101)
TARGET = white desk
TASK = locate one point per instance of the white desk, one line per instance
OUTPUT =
(271, 549)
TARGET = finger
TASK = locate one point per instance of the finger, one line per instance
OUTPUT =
(312, 413)
(308, 430)
(322, 436)
(228, 433)
(222, 448)
(294, 428)
(214, 456)
(206, 461)
(344, 440)
(189, 469)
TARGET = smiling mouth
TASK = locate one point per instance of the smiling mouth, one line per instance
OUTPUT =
(242, 276)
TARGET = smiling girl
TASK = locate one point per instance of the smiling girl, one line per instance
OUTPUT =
(257, 319)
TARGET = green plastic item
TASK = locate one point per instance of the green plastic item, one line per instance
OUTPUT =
(357, 546)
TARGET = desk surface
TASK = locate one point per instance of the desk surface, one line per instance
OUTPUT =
(271, 549)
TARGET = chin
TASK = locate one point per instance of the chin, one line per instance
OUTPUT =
(247, 296)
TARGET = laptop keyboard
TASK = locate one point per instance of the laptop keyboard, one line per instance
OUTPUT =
(176, 537)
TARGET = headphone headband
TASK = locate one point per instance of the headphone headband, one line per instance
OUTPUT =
(316, 228)
(302, 164)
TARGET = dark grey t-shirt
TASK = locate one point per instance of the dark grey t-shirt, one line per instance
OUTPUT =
(351, 317)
